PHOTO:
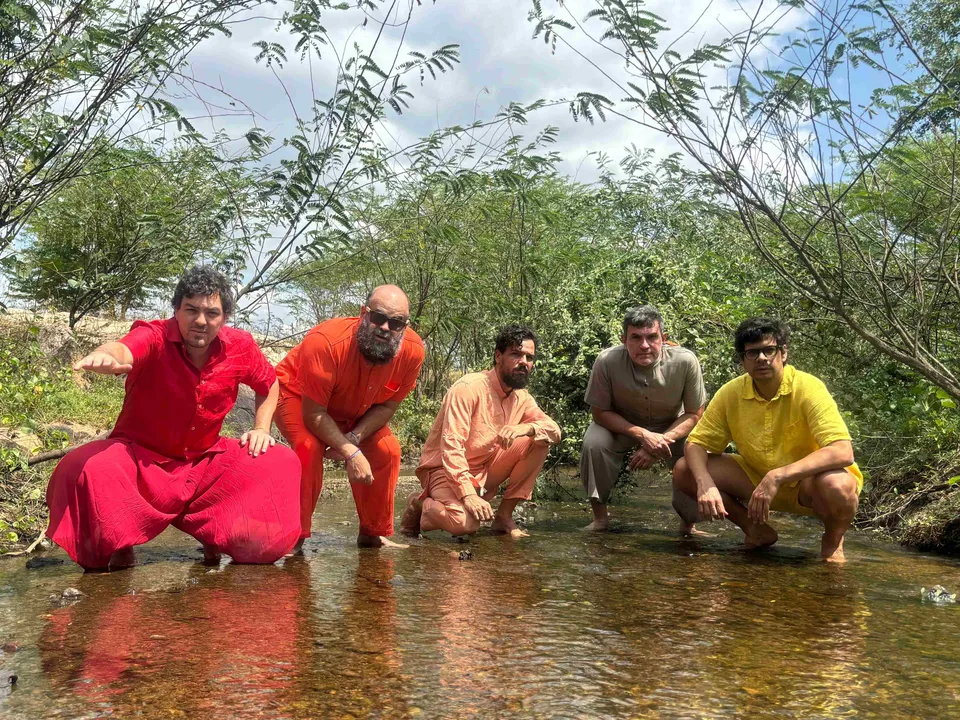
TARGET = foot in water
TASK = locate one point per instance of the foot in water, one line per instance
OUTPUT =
(598, 526)
(690, 531)
(123, 559)
(831, 550)
(410, 521)
(507, 526)
(760, 536)
(378, 541)
(210, 556)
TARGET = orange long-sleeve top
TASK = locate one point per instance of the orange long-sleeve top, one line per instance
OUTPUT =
(462, 440)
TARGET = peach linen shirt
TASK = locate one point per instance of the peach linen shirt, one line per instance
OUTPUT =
(463, 439)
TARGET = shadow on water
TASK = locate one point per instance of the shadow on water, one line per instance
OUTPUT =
(634, 623)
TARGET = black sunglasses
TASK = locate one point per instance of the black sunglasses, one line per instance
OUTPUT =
(378, 318)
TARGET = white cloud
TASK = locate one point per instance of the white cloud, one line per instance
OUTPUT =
(500, 63)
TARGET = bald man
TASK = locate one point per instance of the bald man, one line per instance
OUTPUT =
(338, 390)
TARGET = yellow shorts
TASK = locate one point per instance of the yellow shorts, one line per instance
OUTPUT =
(788, 496)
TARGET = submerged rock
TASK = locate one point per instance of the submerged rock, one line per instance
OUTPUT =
(938, 594)
(39, 562)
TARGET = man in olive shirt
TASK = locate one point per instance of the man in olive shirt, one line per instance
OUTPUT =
(645, 395)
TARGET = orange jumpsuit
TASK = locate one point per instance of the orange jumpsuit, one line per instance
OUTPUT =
(328, 368)
(462, 457)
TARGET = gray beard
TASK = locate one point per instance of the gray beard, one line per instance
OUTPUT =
(374, 350)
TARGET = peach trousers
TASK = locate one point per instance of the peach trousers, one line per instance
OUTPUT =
(519, 464)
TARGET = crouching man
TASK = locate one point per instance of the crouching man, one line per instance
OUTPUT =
(489, 431)
(165, 462)
(794, 451)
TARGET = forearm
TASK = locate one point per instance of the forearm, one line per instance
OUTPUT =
(681, 427)
(835, 456)
(326, 429)
(265, 405)
(373, 419)
(696, 457)
(616, 423)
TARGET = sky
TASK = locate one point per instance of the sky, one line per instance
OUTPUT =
(500, 63)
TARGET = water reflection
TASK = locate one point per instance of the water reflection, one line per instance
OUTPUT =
(195, 649)
(635, 624)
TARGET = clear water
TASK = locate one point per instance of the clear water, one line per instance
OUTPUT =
(635, 623)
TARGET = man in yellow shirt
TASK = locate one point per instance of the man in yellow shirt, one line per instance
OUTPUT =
(794, 452)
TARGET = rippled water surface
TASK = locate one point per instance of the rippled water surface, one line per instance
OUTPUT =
(635, 623)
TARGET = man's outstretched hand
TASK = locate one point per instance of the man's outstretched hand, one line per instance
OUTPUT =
(102, 363)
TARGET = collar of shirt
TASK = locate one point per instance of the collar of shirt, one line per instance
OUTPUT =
(786, 386)
(494, 383)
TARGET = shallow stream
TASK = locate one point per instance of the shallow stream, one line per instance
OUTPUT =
(635, 623)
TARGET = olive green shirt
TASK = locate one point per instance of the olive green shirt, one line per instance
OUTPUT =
(651, 397)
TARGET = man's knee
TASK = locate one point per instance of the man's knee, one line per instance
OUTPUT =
(597, 439)
(682, 478)
(383, 448)
(836, 490)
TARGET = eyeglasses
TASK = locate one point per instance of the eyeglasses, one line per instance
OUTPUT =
(378, 318)
(768, 352)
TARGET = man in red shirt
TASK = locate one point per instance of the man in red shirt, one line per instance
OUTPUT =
(338, 390)
(165, 462)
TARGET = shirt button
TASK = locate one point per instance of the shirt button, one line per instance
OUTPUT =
(193, 428)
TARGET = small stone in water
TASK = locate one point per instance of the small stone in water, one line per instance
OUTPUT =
(12, 679)
(12, 647)
(466, 555)
(938, 594)
(71, 593)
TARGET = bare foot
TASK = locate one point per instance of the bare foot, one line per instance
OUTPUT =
(831, 550)
(763, 536)
(297, 549)
(123, 559)
(598, 526)
(378, 541)
(690, 530)
(410, 521)
(210, 556)
(501, 526)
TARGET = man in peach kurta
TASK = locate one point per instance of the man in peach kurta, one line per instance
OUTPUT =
(489, 431)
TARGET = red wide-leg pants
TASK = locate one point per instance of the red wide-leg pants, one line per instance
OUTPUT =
(374, 502)
(113, 494)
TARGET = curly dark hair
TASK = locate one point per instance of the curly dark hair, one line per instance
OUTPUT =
(204, 280)
(513, 336)
(757, 328)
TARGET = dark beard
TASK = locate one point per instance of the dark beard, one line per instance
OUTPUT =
(516, 380)
(373, 349)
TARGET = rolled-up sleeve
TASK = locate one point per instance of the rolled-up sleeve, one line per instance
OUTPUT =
(694, 391)
(318, 368)
(144, 340)
(598, 394)
(545, 429)
(457, 411)
(823, 416)
(410, 374)
(712, 431)
(258, 372)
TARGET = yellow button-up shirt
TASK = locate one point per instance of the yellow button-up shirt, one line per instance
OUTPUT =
(801, 418)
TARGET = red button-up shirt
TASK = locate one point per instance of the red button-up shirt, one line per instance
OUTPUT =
(175, 409)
